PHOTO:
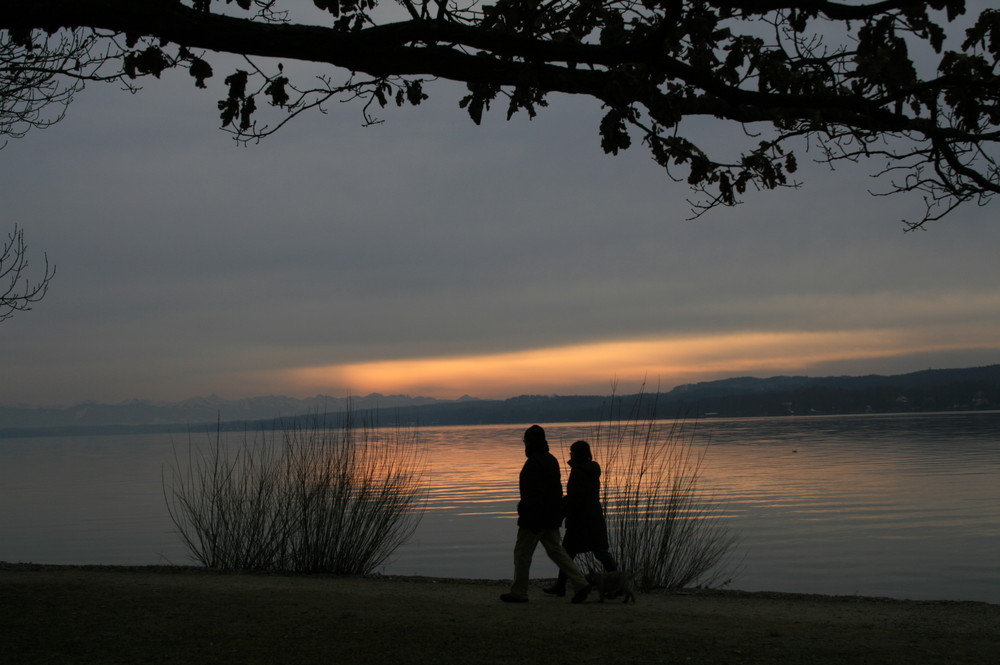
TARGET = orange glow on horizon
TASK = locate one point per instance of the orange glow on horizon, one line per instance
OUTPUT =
(586, 368)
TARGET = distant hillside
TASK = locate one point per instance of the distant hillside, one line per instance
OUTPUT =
(928, 390)
(197, 410)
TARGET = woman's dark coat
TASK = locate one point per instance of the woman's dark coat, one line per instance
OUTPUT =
(585, 527)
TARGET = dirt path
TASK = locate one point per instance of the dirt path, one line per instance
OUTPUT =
(71, 615)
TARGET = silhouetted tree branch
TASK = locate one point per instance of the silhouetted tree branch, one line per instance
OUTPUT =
(877, 80)
(17, 291)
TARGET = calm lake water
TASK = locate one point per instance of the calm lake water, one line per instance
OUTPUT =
(905, 506)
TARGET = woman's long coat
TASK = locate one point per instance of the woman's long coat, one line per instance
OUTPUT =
(586, 530)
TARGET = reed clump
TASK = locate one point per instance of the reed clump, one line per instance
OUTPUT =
(333, 498)
(663, 526)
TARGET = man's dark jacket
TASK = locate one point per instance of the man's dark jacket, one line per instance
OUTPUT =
(540, 506)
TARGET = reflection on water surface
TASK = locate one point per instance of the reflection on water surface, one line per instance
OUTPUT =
(901, 506)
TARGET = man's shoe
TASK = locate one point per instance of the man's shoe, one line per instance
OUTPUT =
(582, 594)
(555, 591)
(511, 598)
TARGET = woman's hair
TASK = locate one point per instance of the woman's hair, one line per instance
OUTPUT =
(581, 449)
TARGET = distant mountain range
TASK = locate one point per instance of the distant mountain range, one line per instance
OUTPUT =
(928, 390)
(195, 411)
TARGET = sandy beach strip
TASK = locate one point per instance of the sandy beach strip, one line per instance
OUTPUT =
(169, 614)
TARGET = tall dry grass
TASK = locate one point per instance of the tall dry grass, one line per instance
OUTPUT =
(664, 527)
(334, 498)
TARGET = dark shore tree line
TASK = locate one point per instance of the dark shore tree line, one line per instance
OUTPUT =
(913, 87)
(821, 400)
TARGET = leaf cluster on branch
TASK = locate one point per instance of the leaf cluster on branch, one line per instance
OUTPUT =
(912, 86)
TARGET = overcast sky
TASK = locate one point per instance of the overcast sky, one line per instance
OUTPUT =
(429, 256)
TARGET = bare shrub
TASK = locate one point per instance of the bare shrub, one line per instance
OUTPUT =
(319, 498)
(663, 527)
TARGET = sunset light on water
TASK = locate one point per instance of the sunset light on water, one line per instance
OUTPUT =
(899, 506)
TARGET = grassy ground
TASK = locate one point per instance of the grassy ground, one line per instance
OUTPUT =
(70, 615)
